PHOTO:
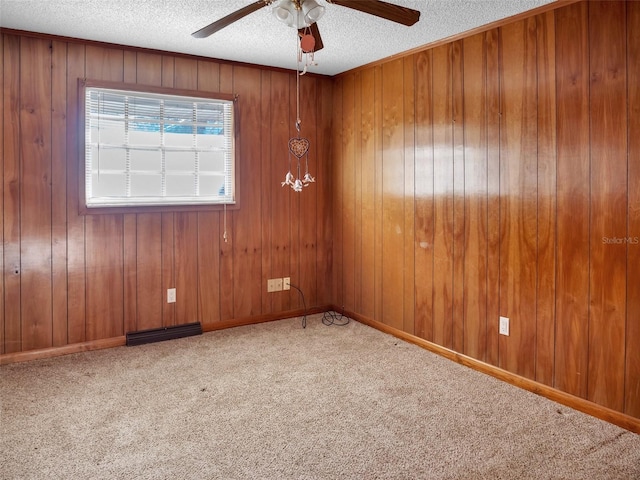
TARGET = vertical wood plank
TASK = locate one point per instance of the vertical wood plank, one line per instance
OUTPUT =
(209, 284)
(493, 192)
(281, 123)
(76, 246)
(424, 201)
(148, 69)
(292, 298)
(475, 197)
(545, 322)
(226, 244)
(185, 74)
(209, 76)
(632, 350)
(226, 248)
(104, 282)
(129, 229)
(168, 222)
(572, 199)
(307, 239)
(35, 193)
(325, 188)
(2, 194)
(357, 190)
(367, 191)
(186, 225)
(104, 63)
(457, 79)
(168, 70)
(408, 293)
(59, 225)
(186, 267)
(266, 184)
(11, 191)
(443, 196)
(168, 239)
(347, 180)
(104, 233)
(247, 275)
(149, 292)
(392, 194)
(129, 66)
(143, 232)
(518, 196)
(378, 119)
(338, 197)
(608, 203)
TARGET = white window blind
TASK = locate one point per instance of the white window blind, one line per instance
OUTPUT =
(156, 149)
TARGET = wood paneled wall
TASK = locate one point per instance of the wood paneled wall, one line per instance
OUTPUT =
(70, 278)
(494, 175)
(500, 175)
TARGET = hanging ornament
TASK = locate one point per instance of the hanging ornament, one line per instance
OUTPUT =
(307, 43)
(306, 50)
(299, 146)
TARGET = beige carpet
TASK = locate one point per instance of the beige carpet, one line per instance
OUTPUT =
(274, 401)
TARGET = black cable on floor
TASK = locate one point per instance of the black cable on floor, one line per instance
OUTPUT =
(334, 318)
(304, 304)
(329, 318)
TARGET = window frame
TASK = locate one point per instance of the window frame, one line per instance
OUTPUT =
(84, 83)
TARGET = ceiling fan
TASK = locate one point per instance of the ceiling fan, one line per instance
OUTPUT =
(303, 15)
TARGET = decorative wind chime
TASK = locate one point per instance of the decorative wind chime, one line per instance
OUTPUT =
(299, 146)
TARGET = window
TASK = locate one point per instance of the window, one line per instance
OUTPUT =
(152, 148)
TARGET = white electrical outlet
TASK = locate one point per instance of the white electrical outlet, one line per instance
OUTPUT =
(171, 295)
(274, 285)
(504, 326)
(286, 283)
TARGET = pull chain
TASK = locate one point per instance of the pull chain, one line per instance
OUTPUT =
(224, 235)
(299, 58)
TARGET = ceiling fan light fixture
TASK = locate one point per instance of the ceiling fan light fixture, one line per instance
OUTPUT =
(312, 12)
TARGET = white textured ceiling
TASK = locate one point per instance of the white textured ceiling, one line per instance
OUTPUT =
(351, 38)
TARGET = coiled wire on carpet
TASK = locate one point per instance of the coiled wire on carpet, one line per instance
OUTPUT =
(329, 318)
(334, 318)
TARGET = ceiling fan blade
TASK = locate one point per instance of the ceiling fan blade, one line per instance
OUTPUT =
(315, 31)
(395, 13)
(229, 19)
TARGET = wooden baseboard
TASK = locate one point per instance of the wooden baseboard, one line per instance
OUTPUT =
(612, 416)
(239, 322)
(59, 351)
(42, 353)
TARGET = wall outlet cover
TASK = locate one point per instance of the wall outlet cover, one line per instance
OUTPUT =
(171, 295)
(504, 326)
